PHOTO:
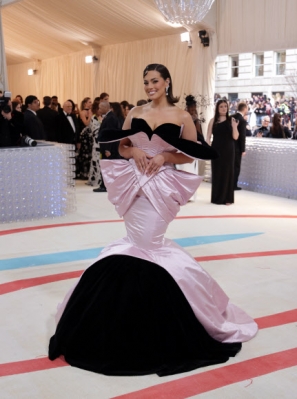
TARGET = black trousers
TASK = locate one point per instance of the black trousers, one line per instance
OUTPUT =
(237, 164)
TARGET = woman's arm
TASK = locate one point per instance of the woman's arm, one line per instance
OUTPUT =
(126, 150)
(85, 116)
(235, 133)
(188, 133)
(209, 131)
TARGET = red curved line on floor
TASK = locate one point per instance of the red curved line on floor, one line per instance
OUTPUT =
(29, 366)
(277, 319)
(180, 388)
(17, 285)
(246, 255)
(51, 226)
(206, 381)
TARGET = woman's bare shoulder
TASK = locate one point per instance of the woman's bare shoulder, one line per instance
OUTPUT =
(139, 110)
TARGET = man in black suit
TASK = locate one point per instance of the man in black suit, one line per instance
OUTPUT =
(48, 119)
(55, 105)
(67, 129)
(240, 142)
(33, 126)
(108, 150)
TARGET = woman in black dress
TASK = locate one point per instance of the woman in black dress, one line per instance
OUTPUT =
(223, 128)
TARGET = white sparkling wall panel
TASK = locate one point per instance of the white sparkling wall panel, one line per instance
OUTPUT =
(270, 167)
(36, 182)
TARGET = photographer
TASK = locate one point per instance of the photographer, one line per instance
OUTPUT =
(8, 136)
(264, 129)
(10, 128)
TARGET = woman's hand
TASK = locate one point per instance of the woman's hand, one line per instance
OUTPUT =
(89, 114)
(6, 115)
(234, 123)
(141, 159)
(155, 164)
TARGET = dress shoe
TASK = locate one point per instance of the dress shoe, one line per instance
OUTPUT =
(237, 188)
(99, 190)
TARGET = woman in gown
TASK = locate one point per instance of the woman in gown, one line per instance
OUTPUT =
(145, 305)
(94, 177)
(223, 128)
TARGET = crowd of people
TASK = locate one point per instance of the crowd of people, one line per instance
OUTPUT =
(68, 124)
(269, 113)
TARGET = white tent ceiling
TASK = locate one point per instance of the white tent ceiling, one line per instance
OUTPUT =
(41, 29)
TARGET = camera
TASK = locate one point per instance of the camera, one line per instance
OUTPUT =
(27, 141)
(4, 100)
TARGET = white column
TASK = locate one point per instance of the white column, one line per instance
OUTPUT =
(3, 69)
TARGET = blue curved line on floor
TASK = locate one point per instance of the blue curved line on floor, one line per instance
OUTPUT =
(92, 253)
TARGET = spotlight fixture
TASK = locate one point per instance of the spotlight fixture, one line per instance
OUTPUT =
(91, 58)
(31, 72)
(185, 37)
(204, 38)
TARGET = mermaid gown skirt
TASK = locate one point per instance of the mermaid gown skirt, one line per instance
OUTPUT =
(145, 305)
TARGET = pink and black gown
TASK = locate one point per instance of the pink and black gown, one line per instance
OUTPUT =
(145, 305)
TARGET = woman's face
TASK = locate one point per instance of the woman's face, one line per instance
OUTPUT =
(155, 85)
(106, 98)
(223, 109)
(98, 112)
(126, 111)
(192, 110)
(89, 103)
(19, 107)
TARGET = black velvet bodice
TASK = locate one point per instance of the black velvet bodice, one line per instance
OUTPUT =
(169, 132)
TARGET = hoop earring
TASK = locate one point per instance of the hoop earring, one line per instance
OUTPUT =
(167, 88)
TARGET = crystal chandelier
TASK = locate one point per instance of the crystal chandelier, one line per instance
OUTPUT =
(184, 12)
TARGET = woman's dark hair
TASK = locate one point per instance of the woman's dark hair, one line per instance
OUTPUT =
(190, 101)
(15, 103)
(95, 106)
(131, 106)
(141, 102)
(124, 104)
(83, 103)
(217, 114)
(276, 126)
(117, 110)
(103, 95)
(22, 101)
(163, 71)
(73, 105)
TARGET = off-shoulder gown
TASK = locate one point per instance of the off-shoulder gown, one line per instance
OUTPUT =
(145, 305)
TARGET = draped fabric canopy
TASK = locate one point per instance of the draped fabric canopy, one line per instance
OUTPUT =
(41, 29)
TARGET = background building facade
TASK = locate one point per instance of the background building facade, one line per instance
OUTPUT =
(270, 73)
